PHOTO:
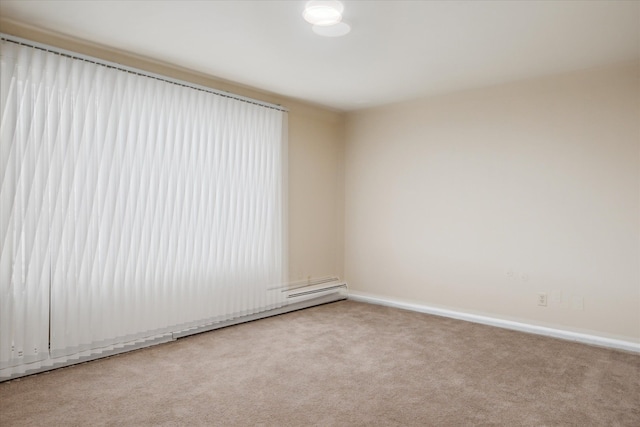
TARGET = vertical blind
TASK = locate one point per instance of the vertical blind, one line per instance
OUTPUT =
(130, 207)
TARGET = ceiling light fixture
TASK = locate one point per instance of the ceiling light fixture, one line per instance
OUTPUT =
(326, 18)
(337, 30)
(323, 13)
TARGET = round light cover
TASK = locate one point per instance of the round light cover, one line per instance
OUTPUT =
(336, 30)
(323, 12)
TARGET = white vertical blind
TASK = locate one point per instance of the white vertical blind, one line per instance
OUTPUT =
(131, 207)
(24, 206)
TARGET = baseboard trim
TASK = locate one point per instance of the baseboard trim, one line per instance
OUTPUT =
(500, 323)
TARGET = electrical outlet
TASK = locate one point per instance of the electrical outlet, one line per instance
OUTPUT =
(542, 299)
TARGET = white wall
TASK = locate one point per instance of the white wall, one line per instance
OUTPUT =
(477, 201)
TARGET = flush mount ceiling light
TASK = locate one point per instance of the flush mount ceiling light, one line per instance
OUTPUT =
(326, 18)
(322, 13)
(337, 30)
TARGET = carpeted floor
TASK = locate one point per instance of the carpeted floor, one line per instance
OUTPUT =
(346, 364)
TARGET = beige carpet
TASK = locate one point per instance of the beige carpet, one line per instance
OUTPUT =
(346, 363)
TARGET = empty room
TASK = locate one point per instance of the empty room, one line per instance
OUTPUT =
(335, 213)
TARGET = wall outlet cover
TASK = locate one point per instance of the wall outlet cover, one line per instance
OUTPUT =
(542, 299)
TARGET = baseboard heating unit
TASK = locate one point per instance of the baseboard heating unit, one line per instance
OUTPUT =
(299, 295)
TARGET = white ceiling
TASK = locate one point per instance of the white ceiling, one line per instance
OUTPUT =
(396, 50)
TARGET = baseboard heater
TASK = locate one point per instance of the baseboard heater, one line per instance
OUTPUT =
(299, 295)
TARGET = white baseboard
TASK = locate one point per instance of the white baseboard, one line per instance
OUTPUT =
(500, 323)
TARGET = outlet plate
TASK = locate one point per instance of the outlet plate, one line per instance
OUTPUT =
(542, 299)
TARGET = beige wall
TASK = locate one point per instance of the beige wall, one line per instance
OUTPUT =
(477, 201)
(316, 195)
(316, 149)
